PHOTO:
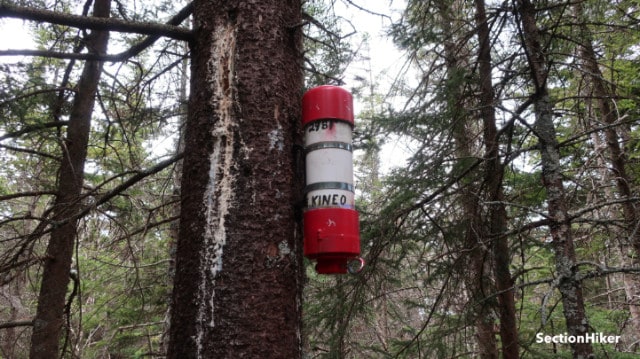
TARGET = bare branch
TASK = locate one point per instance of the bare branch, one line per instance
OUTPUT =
(131, 52)
(124, 186)
(22, 323)
(93, 23)
(10, 260)
(31, 128)
(370, 12)
(26, 194)
(34, 93)
(597, 206)
(29, 151)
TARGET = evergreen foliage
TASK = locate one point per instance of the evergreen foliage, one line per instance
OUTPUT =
(430, 286)
(417, 303)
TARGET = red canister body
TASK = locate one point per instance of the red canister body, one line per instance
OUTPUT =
(331, 225)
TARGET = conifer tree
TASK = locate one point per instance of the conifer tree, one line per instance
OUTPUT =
(48, 322)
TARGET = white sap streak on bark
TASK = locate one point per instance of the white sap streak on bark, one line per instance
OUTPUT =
(276, 139)
(219, 193)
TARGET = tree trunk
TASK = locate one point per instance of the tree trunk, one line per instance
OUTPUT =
(617, 158)
(493, 175)
(49, 318)
(476, 274)
(237, 290)
(560, 227)
(629, 280)
(174, 229)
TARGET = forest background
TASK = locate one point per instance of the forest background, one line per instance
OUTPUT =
(511, 211)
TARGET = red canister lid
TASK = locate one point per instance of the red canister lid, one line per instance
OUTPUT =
(327, 103)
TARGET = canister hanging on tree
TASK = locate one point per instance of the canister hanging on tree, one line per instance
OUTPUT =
(331, 227)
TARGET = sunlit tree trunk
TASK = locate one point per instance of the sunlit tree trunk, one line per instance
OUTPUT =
(237, 290)
(565, 258)
(49, 319)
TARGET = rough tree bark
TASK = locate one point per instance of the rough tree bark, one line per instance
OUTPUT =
(237, 289)
(565, 258)
(48, 323)
(493, 176)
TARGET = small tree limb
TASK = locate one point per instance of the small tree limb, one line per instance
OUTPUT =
(129, 53)
(21, 323)
(93, 23)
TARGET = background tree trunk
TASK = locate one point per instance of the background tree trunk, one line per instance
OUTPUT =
(237, 290)
(496, 225)
(475, 262)
(565, 258)
(49, 318)
(600, 91)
